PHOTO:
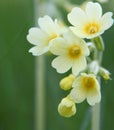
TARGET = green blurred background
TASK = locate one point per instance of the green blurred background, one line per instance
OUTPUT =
(17, 75)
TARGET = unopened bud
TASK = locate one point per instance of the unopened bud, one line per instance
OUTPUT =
(104, 73)
(67, 107)
(66, 83)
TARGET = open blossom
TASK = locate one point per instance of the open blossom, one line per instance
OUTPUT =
(89, 23)
(86, 86)
(41, 37)
(71, 51)
(67, 107)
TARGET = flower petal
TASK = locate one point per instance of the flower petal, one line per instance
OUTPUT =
(79, 65)
(78, 31)
(36, 36)
(106, 20)
(93, 11)
(58, 46)
(37, 50)
(47, 24)
(78, 94)
(71, 38)
(94, 96)
(84, 47)
(62, 64)
(81, 33)
(76, 17)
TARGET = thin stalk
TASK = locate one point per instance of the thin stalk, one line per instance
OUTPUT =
(96, 114)
(40, 94)
(39, 79)
(98, 42)
(96, 117)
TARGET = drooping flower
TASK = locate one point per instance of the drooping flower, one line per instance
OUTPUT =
(71, 51)
(86, 86)
(67, 107)
(89, 23)
(42, 36)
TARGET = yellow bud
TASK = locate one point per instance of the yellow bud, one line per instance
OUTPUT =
(67, 107)
(104, 73)
(66, 83)
(106, 76)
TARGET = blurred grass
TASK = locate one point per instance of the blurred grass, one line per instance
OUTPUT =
(16, 66)
(17, 76)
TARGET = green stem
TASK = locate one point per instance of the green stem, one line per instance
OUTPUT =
(39, 78)
(96, 117)
(40, 94)
(98, 41)
(99, 44)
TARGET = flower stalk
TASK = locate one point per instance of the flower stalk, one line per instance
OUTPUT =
(98, 41)
(39, 80)
(96, 117)
(99, 44)
(40, 94)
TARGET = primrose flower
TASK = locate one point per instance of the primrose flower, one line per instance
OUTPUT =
(41, 37)
(86, 86)
(67, 107)
(89, 23)
(71, 51)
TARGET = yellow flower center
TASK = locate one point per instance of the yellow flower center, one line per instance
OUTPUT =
(74, 51)
(91, 28)
(89, 82)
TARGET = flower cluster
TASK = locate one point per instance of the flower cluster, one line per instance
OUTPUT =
(74, 53)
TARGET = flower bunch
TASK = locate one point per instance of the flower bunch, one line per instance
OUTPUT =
(74, 53)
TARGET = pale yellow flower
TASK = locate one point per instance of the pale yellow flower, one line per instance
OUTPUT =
(86, 86)
(89, 23)
(71, 51)
(67, 107)
(42, 36)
